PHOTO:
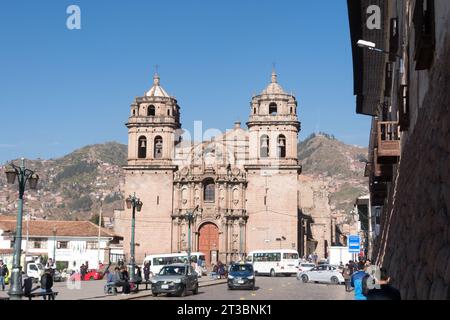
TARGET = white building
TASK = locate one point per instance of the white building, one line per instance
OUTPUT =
(76, 241)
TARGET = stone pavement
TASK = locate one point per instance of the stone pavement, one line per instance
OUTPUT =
(93, 290)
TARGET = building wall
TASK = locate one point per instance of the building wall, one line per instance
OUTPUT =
(276, 218)
(414, 244)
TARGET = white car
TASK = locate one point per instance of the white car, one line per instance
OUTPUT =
(305, 266)
(323, 273)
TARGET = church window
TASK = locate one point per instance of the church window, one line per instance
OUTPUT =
(158, 147)
(151, 111)
(264, 146)
(282, 146)
(209, 191)
(134, 112)
(142, 147)
(168, 112)
(254, 110)
(273, 109)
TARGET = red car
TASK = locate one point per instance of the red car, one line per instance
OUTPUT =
(93, 275)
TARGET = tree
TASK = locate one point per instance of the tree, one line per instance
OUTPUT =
(95, 220)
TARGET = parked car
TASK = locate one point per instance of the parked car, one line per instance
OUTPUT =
(57, 277)
(241, 276)
(93, 275)
(175, 279)
(323, 273)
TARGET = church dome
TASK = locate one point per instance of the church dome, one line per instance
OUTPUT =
(274, 87)
(156, 90)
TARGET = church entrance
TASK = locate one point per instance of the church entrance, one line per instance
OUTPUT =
(208, 242)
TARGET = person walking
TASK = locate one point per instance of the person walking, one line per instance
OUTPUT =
(47, 283)
(3, 274)
(51, 265)
(147, 271)
(385, 291)
(83, 271)
(346, 273)
(357, 281)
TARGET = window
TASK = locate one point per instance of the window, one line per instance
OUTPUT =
(393, 40)
(142, 147)
(264, 146)
(151, 111)
(403, 108)
(158, 147)
(62, 244)
(282, 146)
(38, 243)
(254, 110)
(424, 34)
(168, 112)
(92, 245)
(290, 256)
(273, 109)
(134, 112)
(267, 257)
(209, 191)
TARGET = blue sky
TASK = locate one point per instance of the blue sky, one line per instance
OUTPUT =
(62, 89)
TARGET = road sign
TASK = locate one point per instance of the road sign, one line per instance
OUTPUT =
(353, 244)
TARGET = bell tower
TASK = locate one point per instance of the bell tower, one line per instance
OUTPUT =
(273, 126)
(153, 130)
(152, 127)
(273, 169)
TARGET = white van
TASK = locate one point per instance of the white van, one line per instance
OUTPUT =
(274, 262)
(34, 270)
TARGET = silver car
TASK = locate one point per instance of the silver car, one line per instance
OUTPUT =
(323, 273)
(175, 279)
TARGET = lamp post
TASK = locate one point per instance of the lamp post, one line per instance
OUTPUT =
(136, 204)
(12, 171)
(190, 218)
(54, 245)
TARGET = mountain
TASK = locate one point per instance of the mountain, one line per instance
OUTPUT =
(71, 187)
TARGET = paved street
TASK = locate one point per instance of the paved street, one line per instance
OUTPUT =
(278, 288)
(270, 289)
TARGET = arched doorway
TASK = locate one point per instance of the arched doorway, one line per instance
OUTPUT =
(208, 242)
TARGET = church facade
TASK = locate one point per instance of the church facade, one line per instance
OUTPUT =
(242, 186)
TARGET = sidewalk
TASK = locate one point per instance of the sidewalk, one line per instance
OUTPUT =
(93, 290)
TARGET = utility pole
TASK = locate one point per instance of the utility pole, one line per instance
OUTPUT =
(99, 230)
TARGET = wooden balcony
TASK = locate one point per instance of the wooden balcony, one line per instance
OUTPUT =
(382, 172)
(388, 149)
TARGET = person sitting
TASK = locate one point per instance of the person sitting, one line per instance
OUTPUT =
(47, 283)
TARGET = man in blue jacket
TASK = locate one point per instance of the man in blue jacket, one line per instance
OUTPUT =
(357, 281)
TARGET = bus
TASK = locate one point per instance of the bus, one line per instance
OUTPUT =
(274, 262)
(157, 261)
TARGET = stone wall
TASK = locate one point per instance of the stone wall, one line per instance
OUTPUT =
(415, 241)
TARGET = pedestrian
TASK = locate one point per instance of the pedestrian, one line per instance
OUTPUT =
(357, 281)
(147, 271)
(51, 265)
(346, 273)
(83, 271)
(3, 274)
(383, 291)
(47, 283)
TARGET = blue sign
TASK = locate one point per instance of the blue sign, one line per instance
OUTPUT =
(353, 244)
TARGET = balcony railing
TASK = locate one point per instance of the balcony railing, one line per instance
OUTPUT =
(381, 171)
(388, 139)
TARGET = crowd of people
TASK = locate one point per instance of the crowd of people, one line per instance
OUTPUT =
(367, 284)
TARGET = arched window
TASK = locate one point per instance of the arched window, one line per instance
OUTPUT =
(273, 109)
(209, 190)
(281, 146)
(142, 147)
(158, 148)
(151, 111)
(134, 112)
(264, 146)
(168, 112)
(254, 110)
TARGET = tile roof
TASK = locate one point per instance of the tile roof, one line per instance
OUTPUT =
(44, 228)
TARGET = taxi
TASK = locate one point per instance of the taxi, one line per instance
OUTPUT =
(241, 276)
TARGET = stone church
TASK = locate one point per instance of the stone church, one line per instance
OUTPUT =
(242, 186)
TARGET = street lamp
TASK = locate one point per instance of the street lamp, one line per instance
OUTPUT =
(281, 239)
(136, 204)
(190, 216)
(24, 175)
(373, 47)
